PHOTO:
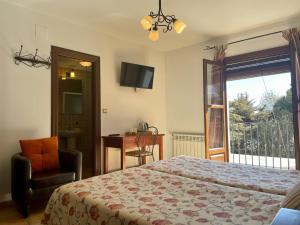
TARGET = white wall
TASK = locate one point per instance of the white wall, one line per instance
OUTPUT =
(184, 80)
(25, 92)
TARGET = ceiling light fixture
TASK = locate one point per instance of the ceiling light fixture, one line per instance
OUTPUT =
(153, 21)
(85, 63)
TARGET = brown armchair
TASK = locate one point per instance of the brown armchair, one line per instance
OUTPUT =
(27, 187)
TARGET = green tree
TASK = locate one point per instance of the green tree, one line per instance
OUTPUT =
(283, 106)
(265, 107)
(252, 125)
(242, 109)
(268, 100)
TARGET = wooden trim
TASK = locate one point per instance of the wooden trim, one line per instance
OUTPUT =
(55, 53)
(216, 106)
(295, 103)
(266, 53)
(250, 73)
(205, 61)
(261, 56)
(226, 144)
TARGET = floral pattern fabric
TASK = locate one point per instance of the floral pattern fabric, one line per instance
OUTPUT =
(235, 175)
(146, 197)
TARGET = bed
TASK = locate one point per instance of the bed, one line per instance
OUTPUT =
(141, 196)
(235, 175)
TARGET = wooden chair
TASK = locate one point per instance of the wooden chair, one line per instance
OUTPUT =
(145, 141)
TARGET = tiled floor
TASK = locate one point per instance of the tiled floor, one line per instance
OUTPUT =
(9, 215)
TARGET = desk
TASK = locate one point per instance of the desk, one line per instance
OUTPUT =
(123, 143)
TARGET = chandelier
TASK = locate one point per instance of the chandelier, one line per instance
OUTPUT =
(153, 21)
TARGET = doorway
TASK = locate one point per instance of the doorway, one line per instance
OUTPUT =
(265, 134)
(260, 121)
(75, 97)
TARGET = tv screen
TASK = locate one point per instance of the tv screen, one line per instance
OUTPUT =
(137, 76)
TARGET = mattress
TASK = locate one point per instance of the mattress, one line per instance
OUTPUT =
(140, 196)
(235, 175)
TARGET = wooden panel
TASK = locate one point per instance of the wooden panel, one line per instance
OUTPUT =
(220, 157)
(282, 50)
(258, 61)
(215, 111)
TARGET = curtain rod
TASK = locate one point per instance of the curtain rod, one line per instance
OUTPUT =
(246, 39)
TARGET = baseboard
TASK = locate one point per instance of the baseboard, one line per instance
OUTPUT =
(5, 197)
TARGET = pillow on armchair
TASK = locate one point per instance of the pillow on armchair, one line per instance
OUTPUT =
(42, 153)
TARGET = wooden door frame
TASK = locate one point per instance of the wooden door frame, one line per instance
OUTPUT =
(295, 103)
(205, 62)
(56, 52)
(282, 50)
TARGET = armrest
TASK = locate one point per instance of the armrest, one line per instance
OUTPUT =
(20, 177)
(71, 161)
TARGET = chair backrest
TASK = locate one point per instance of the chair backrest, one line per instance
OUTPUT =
(147, 139)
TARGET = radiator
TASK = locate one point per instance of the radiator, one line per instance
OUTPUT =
(190, 144)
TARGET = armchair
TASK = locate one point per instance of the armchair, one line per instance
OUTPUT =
(27, 187)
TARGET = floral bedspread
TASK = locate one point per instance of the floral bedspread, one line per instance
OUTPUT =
(146, 197)
(235, 175)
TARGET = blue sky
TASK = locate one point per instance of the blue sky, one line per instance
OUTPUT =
(279, 83)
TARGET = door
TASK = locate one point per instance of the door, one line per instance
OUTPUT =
(75, 106)
(214, 111)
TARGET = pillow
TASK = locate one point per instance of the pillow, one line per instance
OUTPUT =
(292, 199)
(42, 153)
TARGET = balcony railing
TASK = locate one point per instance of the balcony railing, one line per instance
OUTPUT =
(265, 144)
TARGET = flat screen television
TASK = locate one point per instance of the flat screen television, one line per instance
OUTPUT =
(137, 76)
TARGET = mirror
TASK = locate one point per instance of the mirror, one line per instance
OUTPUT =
(71, 97)
(72, 103)
(76, 112)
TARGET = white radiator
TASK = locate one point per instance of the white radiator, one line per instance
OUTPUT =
(190, 144)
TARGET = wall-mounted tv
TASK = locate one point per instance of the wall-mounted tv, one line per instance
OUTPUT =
(137, 76)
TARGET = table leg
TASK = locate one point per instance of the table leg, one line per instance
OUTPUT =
(144, 157)
(161, 148)
(105, 156)
(123, 157)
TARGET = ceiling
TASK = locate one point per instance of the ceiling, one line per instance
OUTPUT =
(205, 19)
(72, 64)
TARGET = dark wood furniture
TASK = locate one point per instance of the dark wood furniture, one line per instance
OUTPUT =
(126, 142)
(28, 187)
(287, 217)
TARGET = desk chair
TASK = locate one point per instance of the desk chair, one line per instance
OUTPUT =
(144, 148)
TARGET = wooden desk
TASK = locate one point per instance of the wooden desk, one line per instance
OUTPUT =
(287, 217)
(123, 143)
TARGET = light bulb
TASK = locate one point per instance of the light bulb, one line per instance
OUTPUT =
(72, 74)
(146, 22)
(154, 34)
(179, 26)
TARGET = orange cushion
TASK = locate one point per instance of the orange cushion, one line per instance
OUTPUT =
(43, 153)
